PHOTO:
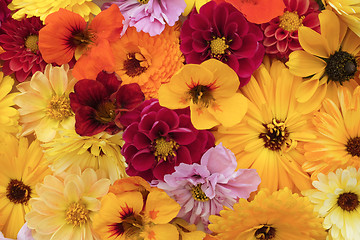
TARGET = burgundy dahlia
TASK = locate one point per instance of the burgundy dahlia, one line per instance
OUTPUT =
(4, 11)
(220, 31)
(99, 104)
(20, 43)
(159, 139)
(281, 33)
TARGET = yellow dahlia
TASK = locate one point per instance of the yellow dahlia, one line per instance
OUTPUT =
(336, 198)
(42, 8)
(280, 215)
(330, 58)
(270, 136)
(22, 167)
(101, 151)
(148, 61)
(44, 102)
(66, 205)
(337, 128)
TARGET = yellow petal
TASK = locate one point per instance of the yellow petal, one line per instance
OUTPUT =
(161, 232)
(201, 118)
(170, 99)
(313, 43)
(304, 64)
(330, 29)
(189, 6)
(306, 90)
(314, 102)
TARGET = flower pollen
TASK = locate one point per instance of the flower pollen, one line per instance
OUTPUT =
(265, 233)
(290, 21)
(164, 148)
(105, 112)
(198, 194)
(143, 1)
(341, 66)
(31, 43)
(218, 47)
(348, 201)
(77, 214)
(201, 94)
(17, 192)
(275, 136)
(82, 38)
(353, 146)
(59, 108)
(135, 64)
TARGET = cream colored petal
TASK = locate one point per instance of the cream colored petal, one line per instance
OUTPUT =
(304, 64)
(314, 43)
(49, 225)
(72, 192)
(65, 232)
(45, 131)
(99, 189)
(41, 84)
(58, 80)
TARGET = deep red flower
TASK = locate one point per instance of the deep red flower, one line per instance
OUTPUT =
(220, 31)
(99, 104)
(20, 43)
(157, 139)
(4, 11)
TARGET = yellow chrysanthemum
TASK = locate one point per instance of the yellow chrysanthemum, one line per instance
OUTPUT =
(330, 58)
(42, 8)
(270, 136)
(280, 215)
(66, 205)
(190, 4)
(101, 151)
(22, 167)
(8, 114)
(44, 102)
(336, 198)
(338, 135)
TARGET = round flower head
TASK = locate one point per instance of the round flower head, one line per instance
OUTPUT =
(203, 189)
(66, 205)
(150, 16)
(220, 31)
(44, 102)
(276, 216)
(336, 198)
(210, 91)
(157, 139)
(20, 43)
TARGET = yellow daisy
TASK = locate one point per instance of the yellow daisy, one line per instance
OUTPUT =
(42, 8)
(330, 58)
(22, 167)
(338, 135)
(66, 205)
(336, 198)
(44, 102)
(280, 215)
(270, 136)
(101, 151)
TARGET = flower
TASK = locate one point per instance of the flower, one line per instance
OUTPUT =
(280, 215)
(210, 91)
(281, 33)
(101, 151)
(44, 103)
(187, 231)
(150, 16)
(157, 139)
(99, 104)
(42, 8)
(5, 12)
(207, 34)
(190, 4)
(337, 143)
(336, 198)
(66, 206)
(273, 131)
(22, 167)
(66, 34)
(131, 215)
(20, 42)
(203, 189)
(148, 61)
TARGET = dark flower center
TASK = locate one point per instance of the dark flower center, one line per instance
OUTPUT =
(164, 148)
(135, 64)
(290, 21)
(105, 112)
(82, 38)
(341, 66)
(265, 233)
(31, 43)
(18, 192)
(353, 146)
(59, 108)
(201, 95)
(348, 201)
(131, 224)
(275, 136)
(77, 214)
(198, 194)
(218, 47)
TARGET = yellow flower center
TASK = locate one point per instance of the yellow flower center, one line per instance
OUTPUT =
(218, 46)
(31, 43)
(59, 108)
(164, 148)
(135, 64)
(77, 214)
(353, 146)
(275, 136)
(198, 194)
(348, 201)
(17, 192)
(143, 1)
(105, 112)
(264, 233)
(290, 21)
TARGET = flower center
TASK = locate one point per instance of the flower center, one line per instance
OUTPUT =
(82, 38)
(290, 21)
(198, 194)
(130, 226)
(348, 201)
(265, 233)
(18, 192)
(218, 47)
(105, 112)
(341, 66)
(275, 136)
(135, 64)
(59, 108)
(201, 95)
(143, 1)
(31, 43)
(77, 214)
(164, 148)
(353, 146)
